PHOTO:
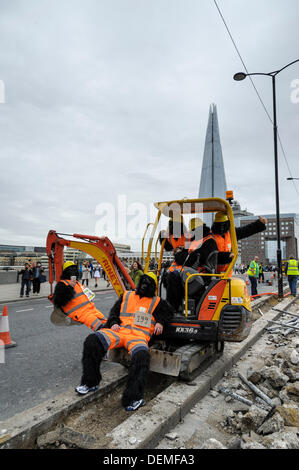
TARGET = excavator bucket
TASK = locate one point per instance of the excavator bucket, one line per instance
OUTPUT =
(163, 362)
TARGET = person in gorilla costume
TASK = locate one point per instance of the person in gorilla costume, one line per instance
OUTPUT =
(133, 319)
(220, 230)
(73, 301)
(197, 254)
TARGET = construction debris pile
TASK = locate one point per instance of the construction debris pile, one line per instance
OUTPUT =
(268, 415)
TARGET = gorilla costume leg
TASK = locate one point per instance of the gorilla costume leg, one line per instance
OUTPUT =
(93, 353)
(137, 376)
(175, 290)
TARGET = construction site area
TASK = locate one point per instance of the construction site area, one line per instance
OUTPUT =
(224, 374)
(149, 258)
(247, 398)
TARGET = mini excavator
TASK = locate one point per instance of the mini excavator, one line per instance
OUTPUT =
(200, 328)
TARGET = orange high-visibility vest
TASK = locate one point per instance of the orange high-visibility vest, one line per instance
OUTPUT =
(224, 244)
(196, 244)
(81, 309)
(176, 242)
(133, 304)
(175, 267)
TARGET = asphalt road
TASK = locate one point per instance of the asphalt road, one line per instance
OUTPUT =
(47, 358)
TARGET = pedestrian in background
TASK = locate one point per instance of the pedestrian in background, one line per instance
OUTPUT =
(37, 271)
(97, 274)
(85, 273)
(136, 272)
(261, 273)
(80, 271)
(26, 274)
(253, 274)
(292, 271)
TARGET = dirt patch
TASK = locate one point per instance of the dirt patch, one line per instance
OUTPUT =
(98, 418)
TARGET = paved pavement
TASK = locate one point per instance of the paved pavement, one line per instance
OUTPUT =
(11, 292)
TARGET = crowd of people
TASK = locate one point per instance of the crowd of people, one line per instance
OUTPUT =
(242, 268)
(88, 271)
(32, 275)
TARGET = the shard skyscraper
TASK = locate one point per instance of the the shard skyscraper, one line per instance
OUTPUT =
(212, 181)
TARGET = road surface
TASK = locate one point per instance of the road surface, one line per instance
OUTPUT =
(47, 358)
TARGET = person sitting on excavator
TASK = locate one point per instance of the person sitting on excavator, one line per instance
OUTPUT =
(221, 232)
(73, 301)
(174, 236)
(200, 254)
(133, 320)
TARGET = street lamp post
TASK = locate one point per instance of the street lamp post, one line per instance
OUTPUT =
(241, 76)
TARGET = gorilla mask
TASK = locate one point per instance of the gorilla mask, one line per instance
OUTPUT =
(220, 228)
(69, 272)
(146, 287)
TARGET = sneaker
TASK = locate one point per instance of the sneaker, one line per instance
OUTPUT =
(83, 389)
(135, 405)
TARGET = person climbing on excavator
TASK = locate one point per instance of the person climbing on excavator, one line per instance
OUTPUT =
(133, 320)
(174, 235)
(221, 231)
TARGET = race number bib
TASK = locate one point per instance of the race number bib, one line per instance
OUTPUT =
(141, 318)
(89, 294)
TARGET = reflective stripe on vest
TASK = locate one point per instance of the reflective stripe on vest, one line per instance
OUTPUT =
(78, 305)
(176, 242)
(131, 304)
(224, 244)
(292, 268)
(255, 268)
(175, 267)
(196, 244)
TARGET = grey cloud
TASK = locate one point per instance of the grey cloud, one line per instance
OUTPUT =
(112, 97)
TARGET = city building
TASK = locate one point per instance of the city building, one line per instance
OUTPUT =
(212, 180)
(238, 212)
(264, 244)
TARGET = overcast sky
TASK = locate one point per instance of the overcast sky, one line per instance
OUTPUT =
(111, 97)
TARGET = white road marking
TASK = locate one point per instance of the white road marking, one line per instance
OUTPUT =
(26, 310)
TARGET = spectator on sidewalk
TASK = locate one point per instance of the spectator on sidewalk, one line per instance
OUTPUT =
(97, 274)
(85, 273)
(136, 272)
(37, 270)
(26, 274)
(80, 271)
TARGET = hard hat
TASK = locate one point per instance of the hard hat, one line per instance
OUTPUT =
(220, 217)
(67, 264)
(194, 223)
(153, 276)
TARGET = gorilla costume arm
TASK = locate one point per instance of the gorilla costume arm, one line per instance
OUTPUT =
(63, 294)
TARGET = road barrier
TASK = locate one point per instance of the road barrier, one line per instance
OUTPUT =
(4, 330)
